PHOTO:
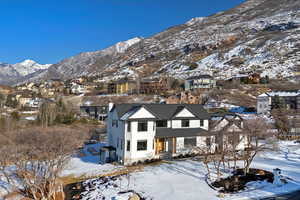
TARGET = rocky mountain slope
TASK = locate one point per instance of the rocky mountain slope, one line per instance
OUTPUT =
(256, 36)
(14, 73)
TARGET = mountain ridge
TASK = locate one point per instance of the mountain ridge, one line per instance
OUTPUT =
(13, 73)
(256, 36)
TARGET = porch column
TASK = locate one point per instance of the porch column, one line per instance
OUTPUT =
(174, 145)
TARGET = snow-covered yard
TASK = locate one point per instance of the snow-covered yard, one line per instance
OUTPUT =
(186, 179)
(88, 164)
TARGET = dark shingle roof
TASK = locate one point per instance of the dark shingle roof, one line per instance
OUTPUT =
(164, 111)
(181, 132)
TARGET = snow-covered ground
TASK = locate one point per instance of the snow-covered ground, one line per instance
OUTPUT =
(186, 179)
(88, 165)
(288, 160)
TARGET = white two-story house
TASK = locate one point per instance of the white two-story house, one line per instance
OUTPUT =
(145, 131)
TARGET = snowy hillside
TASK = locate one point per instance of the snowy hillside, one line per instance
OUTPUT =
(256, 36)
(13, 73)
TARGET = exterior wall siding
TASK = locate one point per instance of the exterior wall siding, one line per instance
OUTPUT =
(117, 137)
(134, 136)
(263, 105)
(193, 124)
(179, 144)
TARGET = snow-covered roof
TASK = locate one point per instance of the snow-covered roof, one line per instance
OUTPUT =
(263, 95)
(284, 93)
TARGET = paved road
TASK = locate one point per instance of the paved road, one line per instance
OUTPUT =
(291, 196)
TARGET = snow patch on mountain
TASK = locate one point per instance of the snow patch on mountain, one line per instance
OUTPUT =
(195, 20)
(29, 66)
(121, 47)
(12, 73)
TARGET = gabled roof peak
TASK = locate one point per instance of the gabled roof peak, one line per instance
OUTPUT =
(162, 111)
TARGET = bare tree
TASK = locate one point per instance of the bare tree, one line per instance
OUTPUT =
(231, 141)
(47, 114)
(205, 151)
(259, 139)
(281, 121)
(2, 100)
(39, 156)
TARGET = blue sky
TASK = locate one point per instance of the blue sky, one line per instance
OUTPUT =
(50, 30)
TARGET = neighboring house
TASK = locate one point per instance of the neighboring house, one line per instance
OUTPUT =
(190, 98)
(280, 99)
(185, 98)
(123, 86)
(200, 82)
(139, 132)
(228, 129)
(47, 92)
(23, 101)
(34, 103)
(29, 101)
(77, 88)
(112, 88)
(253, 78)
(97, 112)
(89, 87)
(153, 86)
(212, 103)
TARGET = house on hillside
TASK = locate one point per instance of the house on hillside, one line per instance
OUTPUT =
(253, 78)
(24, 100)
(200, 82)
(125, 86)
(122, 86)
(268, 101)
(77, 88)
(111, 88)
(153, 86)
(144, 131)
(95, 111)
(184, 98)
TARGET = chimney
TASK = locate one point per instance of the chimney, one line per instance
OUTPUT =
(110, 106)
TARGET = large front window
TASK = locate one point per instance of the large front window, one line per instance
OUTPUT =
(190, 142)
(142, 145)
(142, 126)
(162, 124)
(185, 123)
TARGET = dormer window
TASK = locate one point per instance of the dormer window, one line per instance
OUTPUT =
(201, 122)
(185, 123)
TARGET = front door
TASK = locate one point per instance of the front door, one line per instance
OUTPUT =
(160, 145)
